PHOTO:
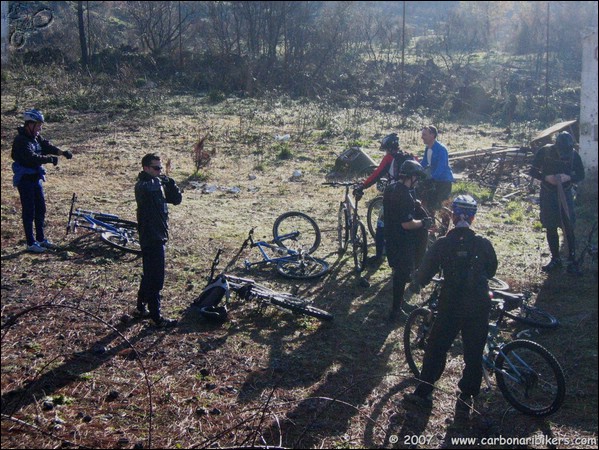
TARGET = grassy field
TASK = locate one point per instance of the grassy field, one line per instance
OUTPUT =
(77, 369)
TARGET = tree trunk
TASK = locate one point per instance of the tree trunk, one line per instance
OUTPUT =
(82, 40)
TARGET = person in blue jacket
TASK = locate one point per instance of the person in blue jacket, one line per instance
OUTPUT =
(29, 152)
(436, 163)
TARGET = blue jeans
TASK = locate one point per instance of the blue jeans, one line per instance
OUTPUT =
(33, 205)
(152, 280)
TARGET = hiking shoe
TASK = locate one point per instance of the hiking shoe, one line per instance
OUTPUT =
(46, 244)
(462, 409)
(164, 322)
(554, 264)
(35, 248)
(141, 313)
(574, 269)
(418, 400)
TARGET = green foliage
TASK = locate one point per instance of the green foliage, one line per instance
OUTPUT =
(481, 194)
(283, 150)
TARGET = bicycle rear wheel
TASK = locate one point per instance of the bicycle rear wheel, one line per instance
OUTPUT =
(300, 224)
(530, 378)
(342, 228)
(360, 247)
(299, 305)
(415, 337)
(374, 212)
(126, 240)
(304, 268)
(533, 316)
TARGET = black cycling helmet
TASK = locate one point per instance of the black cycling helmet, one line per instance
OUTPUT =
(33, 115)
(390, 142)
(217, 314)
(411, 168)
(464, 205)
(564, 141)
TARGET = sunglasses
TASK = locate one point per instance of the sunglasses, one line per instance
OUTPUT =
(156, 167)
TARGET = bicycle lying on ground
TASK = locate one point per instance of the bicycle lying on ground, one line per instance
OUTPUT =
(349, 226)
(116, 232)
(293, 247)
(528, 375)
(221, 285)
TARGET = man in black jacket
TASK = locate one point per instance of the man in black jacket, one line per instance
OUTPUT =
(29, 152)
(403, 231)
(557, 165)
(467, 262)
(152, 193)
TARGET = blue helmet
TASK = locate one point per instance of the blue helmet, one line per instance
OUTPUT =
(33, 115)
(564, 140)
(464, 205)
(390, 142)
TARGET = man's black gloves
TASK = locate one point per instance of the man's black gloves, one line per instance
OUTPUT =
(54, 160)
(67, 154)
(427, 222)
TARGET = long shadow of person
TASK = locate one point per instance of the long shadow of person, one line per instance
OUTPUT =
(347, 359)
(39, 373)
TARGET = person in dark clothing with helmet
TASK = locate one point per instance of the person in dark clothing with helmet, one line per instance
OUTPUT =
(152, 193)
(467, 262)
(555, 165)
(389, 167)
(29, 152)
(403, 231)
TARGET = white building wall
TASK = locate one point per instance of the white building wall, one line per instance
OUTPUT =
(588, 102)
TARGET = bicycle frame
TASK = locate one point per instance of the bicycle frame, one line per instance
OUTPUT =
(290, 254)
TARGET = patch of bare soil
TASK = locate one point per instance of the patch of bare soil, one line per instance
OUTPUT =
(78, 370)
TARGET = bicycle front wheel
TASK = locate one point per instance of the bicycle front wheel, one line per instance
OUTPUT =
(533, 316)
(360, 247)
(342, 228)
(304, 268)
(495, 284)
(296, 230)
(530, 378)
(415, 337)
(300, 305)
(375, 208)
(126, 240)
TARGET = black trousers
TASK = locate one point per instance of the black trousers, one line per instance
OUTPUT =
(33, 205)
(474, 329)
(152, 280)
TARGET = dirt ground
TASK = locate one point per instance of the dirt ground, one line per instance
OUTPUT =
(78, 370)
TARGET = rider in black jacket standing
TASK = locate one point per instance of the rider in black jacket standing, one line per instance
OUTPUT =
(553, 165)
(152, 193)
(29, 152)
(467, 262)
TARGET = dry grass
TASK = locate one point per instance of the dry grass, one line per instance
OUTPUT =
(264, 378)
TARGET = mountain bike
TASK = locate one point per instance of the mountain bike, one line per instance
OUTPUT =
(113, 230)
(349, 226)
(290, 263)
(527, 374)
(220, 286)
